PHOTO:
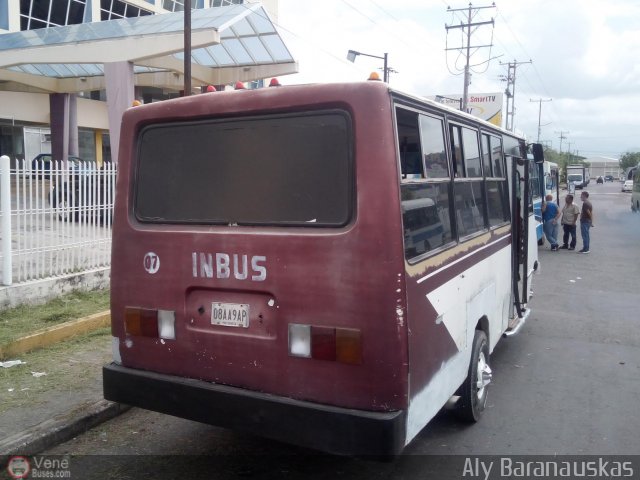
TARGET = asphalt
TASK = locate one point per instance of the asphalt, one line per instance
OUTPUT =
(37, 419)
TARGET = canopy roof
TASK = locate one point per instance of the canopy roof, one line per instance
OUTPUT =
(231, 43)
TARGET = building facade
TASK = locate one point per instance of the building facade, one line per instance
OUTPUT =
(19, 15)
(25, 110)
(603, 166)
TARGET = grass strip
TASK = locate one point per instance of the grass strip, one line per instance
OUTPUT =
(23, 320)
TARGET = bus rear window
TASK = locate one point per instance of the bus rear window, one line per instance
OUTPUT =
(272, 170)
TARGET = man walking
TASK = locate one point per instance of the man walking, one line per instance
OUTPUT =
(550, 215)
(570, 214)
(586, 221)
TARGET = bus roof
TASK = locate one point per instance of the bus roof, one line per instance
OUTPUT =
(449, 109)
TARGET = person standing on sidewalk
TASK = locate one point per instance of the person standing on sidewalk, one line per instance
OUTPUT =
(586, 221)
(550, 215)
(570, 213)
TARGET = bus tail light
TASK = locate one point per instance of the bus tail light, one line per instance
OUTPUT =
(343, 345)
(144, 322)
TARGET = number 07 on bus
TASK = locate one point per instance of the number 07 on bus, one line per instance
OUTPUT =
(325, 265)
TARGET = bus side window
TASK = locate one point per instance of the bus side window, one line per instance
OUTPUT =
(496, 183)
(471, 153)
(456, 150)
(409, 144)
(411, 162)
(426, 213)
(469, 191)
(486, 155)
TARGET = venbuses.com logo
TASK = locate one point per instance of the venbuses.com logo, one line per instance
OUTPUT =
(18, 467)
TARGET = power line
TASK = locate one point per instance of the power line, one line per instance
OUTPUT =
(377, 24)
(540, 100)
(510, 91)
(384, 11)
(539, 77)
(471, 12)
(562, 137)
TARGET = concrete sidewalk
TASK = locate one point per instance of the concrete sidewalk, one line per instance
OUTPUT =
(57, 393)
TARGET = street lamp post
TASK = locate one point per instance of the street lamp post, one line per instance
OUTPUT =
(352, 54)
(187, 48)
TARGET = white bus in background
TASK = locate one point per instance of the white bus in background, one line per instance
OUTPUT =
(551, 178)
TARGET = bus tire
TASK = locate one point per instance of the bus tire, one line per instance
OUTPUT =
(473, 398)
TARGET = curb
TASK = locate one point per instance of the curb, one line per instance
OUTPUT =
(48, 336)
(60, 428)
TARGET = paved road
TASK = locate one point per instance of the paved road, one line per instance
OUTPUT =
(567, 384)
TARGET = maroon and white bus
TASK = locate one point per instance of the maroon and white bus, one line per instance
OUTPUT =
(325, 265)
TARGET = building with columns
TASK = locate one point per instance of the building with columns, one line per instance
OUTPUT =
(69, 68)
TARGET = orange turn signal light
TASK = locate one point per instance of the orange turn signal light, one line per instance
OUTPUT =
(141, 322)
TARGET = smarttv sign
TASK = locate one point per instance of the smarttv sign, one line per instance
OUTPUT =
(487, 106)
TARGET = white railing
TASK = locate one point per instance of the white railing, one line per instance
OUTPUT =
(55, 218)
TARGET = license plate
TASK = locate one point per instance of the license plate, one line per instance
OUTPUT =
(230, 314)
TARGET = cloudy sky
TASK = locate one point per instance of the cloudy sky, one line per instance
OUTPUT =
(584, 57)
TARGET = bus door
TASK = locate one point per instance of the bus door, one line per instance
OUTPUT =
(524, 252)
(522, 231)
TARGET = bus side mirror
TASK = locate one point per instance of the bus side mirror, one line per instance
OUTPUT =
(538, 153)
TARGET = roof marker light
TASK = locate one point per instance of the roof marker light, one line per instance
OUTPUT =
(211, 88)
(374, 76)
(274, 83)
(240, 86)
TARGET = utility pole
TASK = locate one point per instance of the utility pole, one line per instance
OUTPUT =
(510, 91)
(562, 137)
(540, 100)
(471, 10)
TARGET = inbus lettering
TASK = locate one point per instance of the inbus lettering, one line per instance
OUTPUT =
(222, 265)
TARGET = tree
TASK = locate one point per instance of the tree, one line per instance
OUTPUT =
(629, 159)
(563, 159)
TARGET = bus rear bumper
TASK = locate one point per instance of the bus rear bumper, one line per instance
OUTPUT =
(330, 429)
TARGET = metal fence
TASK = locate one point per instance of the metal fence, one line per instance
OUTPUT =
(55, 218)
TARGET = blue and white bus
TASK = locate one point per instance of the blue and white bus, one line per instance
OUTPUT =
(536, 194)
(550, 175)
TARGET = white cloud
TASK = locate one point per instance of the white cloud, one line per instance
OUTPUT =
(584, 55)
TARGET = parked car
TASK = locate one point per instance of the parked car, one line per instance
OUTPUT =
(608, 178)
(41, 165)
(600, 180)
(85, 193)
(627, 186)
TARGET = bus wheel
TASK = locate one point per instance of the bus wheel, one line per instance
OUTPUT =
(474, 390)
